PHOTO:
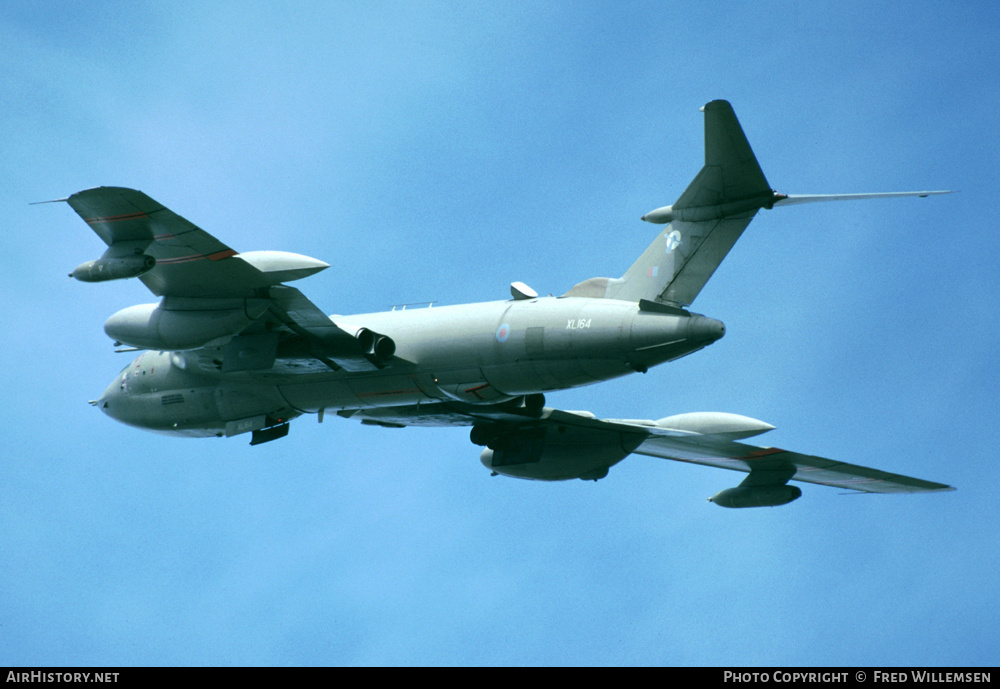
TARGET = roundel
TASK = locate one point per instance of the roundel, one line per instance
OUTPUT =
(673, 241)
(503, 332)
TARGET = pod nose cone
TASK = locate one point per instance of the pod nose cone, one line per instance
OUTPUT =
(705, 329)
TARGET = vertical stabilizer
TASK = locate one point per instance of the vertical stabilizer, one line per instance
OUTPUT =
(731, 171)
(705, 222)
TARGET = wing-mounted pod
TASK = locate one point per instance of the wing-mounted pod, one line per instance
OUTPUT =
(122, 259)
(764, 486)
(212, 293)
(282, 266)
(114, 268)
(756, 496)
(715, 423)
(173, 256)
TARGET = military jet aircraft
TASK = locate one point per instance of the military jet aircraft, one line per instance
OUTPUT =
(231, 349)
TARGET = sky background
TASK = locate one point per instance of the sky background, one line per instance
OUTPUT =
(441, 152)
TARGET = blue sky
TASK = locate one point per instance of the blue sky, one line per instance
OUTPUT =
(440, 152)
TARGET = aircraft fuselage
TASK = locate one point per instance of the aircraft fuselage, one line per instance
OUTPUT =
(471, 354)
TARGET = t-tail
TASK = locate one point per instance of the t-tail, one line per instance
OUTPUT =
(705, 222)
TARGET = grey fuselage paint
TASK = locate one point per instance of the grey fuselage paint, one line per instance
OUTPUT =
(473, 355)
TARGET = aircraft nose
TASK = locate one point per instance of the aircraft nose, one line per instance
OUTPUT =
(705, 329)
(110, 399)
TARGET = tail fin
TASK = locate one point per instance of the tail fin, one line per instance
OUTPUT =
(731, 173)
(705, 222)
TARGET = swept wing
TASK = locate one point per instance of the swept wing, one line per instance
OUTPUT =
(211, 292)
(189, 261)
(710, 439)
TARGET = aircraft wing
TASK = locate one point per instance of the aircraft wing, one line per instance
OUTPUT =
(700, 438)
(189, 261)
(808, 468)
(719, 450)
(196, 273)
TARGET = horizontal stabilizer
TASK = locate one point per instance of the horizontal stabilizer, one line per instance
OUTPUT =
(794, 199)
(704, 223)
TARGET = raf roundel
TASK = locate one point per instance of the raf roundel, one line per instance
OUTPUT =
(503, 332)
(673, 241)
